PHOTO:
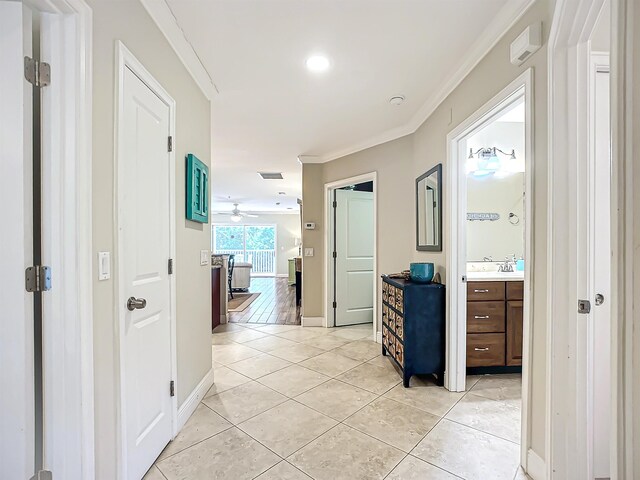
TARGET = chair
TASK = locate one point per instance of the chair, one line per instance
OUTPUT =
(232, 261)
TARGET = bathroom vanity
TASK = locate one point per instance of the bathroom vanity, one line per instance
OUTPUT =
(494, 321)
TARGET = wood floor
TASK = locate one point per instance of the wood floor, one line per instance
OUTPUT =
(275, 305)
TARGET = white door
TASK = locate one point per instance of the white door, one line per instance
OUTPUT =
(602, 281)
(354, 240)
(17, 437)
(144, 224)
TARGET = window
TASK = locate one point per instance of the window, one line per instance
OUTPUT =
(255, 244)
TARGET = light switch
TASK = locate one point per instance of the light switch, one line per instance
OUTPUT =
(308, 252)
(204, 257)
(104, 265)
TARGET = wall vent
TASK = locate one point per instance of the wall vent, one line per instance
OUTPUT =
(270, 175)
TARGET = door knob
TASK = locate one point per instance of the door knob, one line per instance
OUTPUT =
(599, 299)
(136, 303)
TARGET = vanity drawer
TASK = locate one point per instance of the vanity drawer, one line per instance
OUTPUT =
(515, 290)
(485, 350)
(483, 291)
(485, 317)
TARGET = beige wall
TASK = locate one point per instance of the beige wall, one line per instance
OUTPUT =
(129, 22)
(398, 163)
(287, 230)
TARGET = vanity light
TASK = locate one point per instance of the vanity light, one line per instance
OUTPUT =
(488, 162)
(317, 63)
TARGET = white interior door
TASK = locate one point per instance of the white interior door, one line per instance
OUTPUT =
(354, 241)
(17, 437)
(601, 318)
(145, 235)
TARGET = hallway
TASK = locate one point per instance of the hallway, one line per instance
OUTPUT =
(294, 403)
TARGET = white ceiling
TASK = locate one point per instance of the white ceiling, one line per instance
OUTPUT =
(269, 109)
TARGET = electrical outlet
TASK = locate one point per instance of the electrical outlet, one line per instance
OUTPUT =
(308, 252)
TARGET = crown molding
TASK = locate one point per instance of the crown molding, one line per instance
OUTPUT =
(304, 159)
(166, 21)
(498, 28)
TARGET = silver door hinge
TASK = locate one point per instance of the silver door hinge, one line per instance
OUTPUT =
(170, 144)
(172, 389)
(43, 475)
(170, 266)
(37, 73)
(37, 278)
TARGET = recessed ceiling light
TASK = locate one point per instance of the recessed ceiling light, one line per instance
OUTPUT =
(318, 63)
(396, 100)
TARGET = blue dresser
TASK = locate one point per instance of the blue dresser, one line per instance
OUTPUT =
(413, 327)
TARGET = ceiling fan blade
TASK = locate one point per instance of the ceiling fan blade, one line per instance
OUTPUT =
(251, 215)
(221, 213)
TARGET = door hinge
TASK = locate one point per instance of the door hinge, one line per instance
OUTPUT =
(335, 254)
(335, 204)
(170, 144)
(43, 475)
(37, 73)
(170, 266)
(37, 278)
(335, 304)
(172, 388)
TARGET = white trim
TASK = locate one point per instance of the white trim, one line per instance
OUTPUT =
(282, 275)
(313, 322)
(521, 87)
(125, 59)
(502, 22)
(160, 12)
(378, 338)
(625, 315)
(66, 33)
(536, 467)
(191, 402)
(328, 215)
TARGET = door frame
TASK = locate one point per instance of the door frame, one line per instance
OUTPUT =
(521, 87)
(569, 54)
(68, 373)
(328, 231)
(125, 59)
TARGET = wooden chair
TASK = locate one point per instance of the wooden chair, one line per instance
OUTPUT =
(232, 261)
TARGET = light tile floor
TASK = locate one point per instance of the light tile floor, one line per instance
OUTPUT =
(290, 403)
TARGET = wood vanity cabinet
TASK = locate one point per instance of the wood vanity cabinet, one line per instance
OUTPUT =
(413, 327)
(494, 324)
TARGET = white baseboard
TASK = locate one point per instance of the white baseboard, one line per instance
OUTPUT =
(282, 275)
(536, 468)
(379, 337)
(191, 403)
(313, 322)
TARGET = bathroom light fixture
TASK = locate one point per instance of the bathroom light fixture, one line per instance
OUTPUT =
(317, 63)
(487, 161)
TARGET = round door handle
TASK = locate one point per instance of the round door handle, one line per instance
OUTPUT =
(136, 303)
(599, 299)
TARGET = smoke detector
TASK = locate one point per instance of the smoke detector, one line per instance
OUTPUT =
(396, 100)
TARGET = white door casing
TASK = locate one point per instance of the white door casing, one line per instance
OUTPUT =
(354, 245)
(600, 260)
(16, 237)
(145, 244)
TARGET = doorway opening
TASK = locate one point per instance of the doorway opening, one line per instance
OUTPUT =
(489, 254)
(351, 252)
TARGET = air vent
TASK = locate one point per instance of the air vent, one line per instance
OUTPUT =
(270, 175)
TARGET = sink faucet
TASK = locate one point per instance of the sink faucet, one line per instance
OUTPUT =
(509, 264)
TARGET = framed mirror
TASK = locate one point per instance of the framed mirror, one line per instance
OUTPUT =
(429, 210)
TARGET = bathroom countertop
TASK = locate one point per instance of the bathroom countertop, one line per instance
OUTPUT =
(495, 276)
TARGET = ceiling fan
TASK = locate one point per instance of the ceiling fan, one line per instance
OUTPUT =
(236, 215)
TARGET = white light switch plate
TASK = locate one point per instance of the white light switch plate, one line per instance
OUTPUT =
(104, 265)
(308, 252)
(204, 257)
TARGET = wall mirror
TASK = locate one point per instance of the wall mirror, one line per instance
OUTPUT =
(429, 210)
